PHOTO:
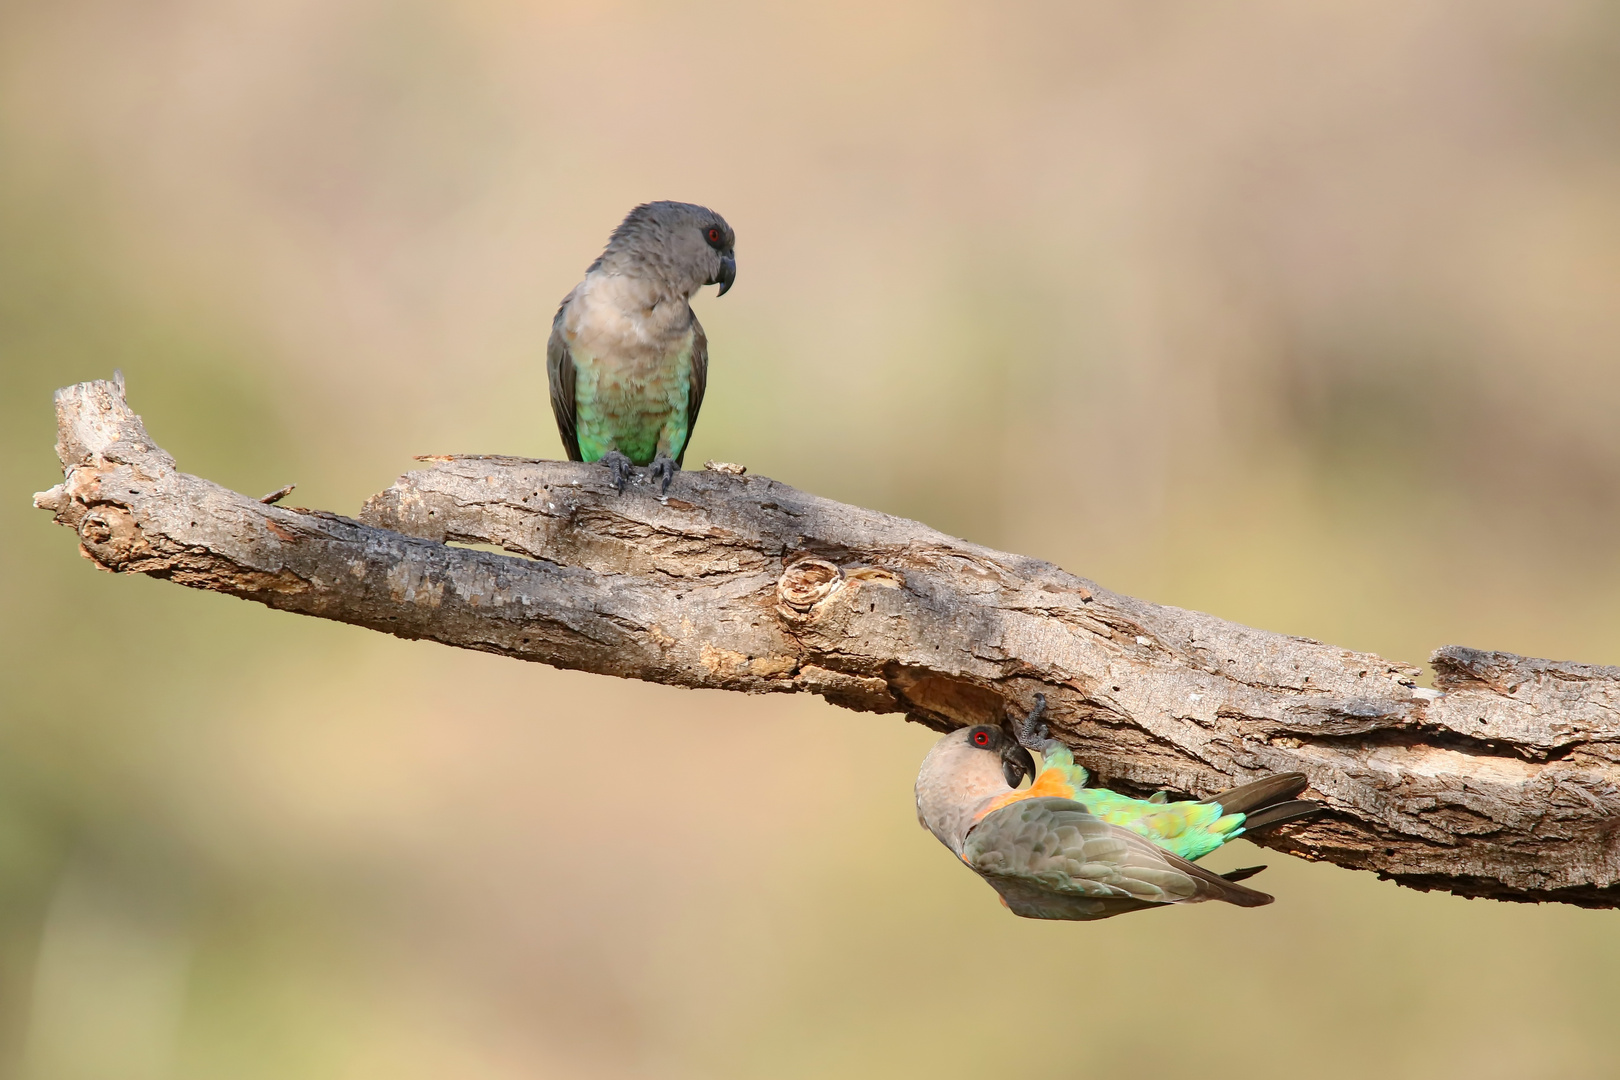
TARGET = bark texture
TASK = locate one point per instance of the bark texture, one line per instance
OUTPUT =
(1503, 783)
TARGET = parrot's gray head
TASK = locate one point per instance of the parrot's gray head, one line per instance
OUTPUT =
(964, 771)
(680, 245)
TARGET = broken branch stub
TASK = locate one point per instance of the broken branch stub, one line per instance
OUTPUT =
(1506, 785)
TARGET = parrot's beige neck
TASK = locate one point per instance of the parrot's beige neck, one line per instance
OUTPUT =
(956, 782)
(621, 316)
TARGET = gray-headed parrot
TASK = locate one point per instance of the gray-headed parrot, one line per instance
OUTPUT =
(1060, 850)
(627, 360)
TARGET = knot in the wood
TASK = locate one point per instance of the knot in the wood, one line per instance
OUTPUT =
(806, 583)
(95, 530)
(110, 537)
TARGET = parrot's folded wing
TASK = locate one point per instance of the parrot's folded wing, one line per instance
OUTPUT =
(560, 374)
(1050, 859)
(700, 383)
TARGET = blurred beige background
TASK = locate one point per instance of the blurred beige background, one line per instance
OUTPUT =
(1303, 314)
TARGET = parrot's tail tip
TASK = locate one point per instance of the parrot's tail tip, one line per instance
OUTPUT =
(1281, 814)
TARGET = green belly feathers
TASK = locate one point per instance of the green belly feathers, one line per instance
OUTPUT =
(640, 415)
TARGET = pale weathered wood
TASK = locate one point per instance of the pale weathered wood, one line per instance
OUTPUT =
(1506, 785)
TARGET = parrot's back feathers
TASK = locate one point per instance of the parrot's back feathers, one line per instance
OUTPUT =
(1250, 797)
(1050, 859)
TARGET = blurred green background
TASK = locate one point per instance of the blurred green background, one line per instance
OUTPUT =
(1302, 314)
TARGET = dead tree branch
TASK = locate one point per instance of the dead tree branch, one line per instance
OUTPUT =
(1505, 785)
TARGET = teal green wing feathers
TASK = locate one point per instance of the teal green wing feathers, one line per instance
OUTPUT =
(560, 374)
(1188, 829)
(1194, 829)
(1051, 859)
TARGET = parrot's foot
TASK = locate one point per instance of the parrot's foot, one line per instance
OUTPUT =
(618, 467)
(1033, 734)
(663, 470)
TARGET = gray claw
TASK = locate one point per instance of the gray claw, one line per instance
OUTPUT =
(618, 467)
(663, 470)
(1033, 734)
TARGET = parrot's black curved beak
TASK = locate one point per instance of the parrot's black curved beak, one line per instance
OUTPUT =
(728, 273)
(1017, 763)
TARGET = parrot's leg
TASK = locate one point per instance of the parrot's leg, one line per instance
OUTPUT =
(662, 469)
(618, 467)
(1033, 734)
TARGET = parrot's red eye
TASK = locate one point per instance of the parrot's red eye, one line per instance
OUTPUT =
(981, 738)
(714, 236)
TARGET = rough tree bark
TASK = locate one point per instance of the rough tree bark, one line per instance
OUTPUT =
(1505, 783)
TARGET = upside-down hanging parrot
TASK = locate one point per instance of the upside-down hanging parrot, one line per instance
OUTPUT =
(1061, 850)
(627, 360)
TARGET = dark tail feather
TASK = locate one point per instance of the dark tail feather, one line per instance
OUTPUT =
(1219, 888)
(1241, 800)
(1243, 874)
(1213, 886)
(1277, 813)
